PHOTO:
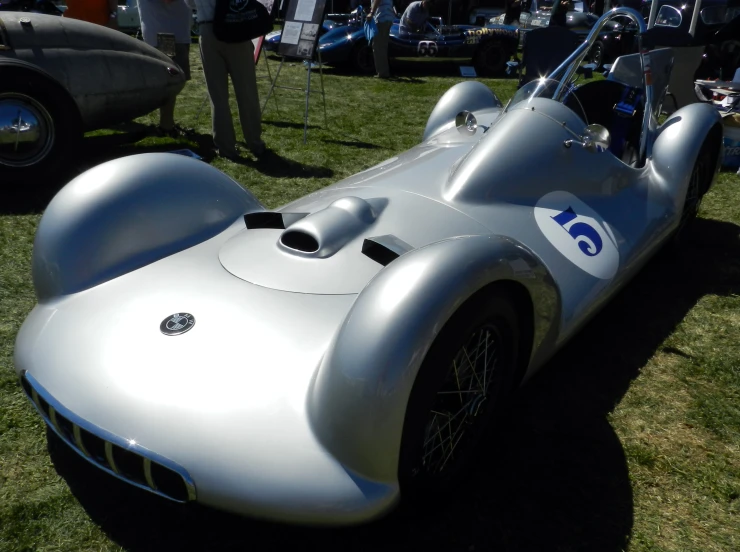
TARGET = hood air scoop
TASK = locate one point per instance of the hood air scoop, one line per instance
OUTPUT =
(321, 234)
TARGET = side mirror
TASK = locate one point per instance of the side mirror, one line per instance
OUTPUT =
(466, 122)
(596, 139)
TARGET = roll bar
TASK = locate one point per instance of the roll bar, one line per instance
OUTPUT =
(569, 67)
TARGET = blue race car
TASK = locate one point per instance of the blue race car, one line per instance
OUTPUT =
(346, 46)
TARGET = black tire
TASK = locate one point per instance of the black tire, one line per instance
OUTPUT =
(362, 58)
(424, 468)
(490, 59)
(43, 105)
(701, 177)
(596, 55)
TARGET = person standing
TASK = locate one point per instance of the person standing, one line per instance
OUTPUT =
(100, 12)
(221, 60)
(513, 12)
(414, 18)
(559, 12)
(383, 13)
(170, 17)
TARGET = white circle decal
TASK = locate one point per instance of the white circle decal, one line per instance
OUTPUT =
(579, 233)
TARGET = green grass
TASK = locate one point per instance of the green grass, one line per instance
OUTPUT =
(628, 439)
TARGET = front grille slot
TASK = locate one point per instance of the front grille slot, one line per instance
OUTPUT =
(131, 465)
(94, 446)
(123, 459)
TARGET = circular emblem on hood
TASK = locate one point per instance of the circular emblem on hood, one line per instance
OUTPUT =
(177, 324)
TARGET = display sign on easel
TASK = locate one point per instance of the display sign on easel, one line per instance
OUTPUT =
(300, 34)
(299, 39)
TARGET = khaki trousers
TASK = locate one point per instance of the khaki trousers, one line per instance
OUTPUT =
(220, 60)
(380, 49)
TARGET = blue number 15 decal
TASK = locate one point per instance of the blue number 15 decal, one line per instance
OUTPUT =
(588, 239)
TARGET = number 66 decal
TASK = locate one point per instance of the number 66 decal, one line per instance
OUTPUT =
(427, 48)
(578, 233)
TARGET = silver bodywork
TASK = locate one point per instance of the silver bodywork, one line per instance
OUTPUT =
(111, 77)
(286, 397)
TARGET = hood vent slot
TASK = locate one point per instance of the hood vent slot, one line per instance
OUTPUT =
(267, 219)
(384, 249)
(300, 241)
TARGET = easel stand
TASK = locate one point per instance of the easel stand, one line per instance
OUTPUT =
(307, 91)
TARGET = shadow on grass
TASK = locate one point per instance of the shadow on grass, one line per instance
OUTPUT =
(33, 197)
(288, 124)
(353, 143)
(554, 479)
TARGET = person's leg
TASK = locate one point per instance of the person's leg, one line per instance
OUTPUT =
(167, 111)
(240, 60)
(217, 82)
(380, 49)
(167, 115)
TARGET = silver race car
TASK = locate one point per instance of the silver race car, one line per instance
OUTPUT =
(317, 362)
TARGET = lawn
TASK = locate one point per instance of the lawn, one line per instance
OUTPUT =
(629, 439)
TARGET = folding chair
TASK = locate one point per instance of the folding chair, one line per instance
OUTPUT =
(543, 51)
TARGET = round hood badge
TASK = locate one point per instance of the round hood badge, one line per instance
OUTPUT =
(177, 324)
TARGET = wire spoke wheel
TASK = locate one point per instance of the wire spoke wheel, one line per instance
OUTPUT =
(461, 401)
(459, 393)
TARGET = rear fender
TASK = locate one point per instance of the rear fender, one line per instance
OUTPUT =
(677, 146)
(127, 213)
(357, 403)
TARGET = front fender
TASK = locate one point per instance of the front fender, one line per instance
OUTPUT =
(127, 213)
(677, 146)
(464, 96)
(357, 402)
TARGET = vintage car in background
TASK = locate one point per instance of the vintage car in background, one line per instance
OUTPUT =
(346, 45)
(715, 40)
(317, 362)
(61, 77)
(579, 20)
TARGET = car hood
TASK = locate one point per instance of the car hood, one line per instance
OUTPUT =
(324, 248)
(226, 400)
(34, 31)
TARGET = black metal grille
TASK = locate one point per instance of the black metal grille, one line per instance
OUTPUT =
(124, 462)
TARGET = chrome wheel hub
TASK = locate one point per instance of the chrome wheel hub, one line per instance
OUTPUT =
(26, 131)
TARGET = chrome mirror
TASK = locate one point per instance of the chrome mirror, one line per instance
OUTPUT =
(596, 139)
(466, 122)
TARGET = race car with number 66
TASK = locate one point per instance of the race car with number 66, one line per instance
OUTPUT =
(488, 48)
(319, 362)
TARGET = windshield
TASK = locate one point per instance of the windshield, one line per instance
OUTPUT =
(539, 88)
